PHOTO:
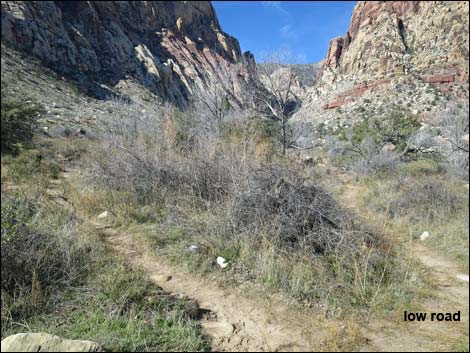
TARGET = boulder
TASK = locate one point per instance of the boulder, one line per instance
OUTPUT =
(44, 342)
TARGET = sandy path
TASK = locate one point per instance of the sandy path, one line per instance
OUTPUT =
(235, 320)
(238, 319)
(451, 294)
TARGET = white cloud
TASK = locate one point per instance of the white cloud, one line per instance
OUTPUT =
(288, 33)
(276, 6)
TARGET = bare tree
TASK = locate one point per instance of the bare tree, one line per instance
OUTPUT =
(213, 99)
(280, 102)
(217, 96)
(453, 124)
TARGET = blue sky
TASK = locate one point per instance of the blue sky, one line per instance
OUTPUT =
(302, 27)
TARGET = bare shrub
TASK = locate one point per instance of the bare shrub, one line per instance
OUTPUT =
(424, 201)
(295, 212)
(453, 124)
(38, 247)
(279, 102)
(366, 157)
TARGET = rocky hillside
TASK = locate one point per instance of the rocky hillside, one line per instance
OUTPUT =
(172, 48)
(408, 53)
(306, 73)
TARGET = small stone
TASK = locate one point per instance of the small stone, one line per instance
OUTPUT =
(103, 215)
(222, 262)
(193, 248)
(462, 277)
(424, 235)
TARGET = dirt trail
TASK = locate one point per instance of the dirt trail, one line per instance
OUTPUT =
(451, 294)
(234, 318)
(235, 321)
(238, 319)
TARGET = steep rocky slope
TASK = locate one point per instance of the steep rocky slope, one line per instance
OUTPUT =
(306, 73)
(409, 53)
(172, 48)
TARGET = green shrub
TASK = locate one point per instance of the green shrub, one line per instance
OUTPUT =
(395, 127)
(29, 164)
(261, 129)
(18, 117)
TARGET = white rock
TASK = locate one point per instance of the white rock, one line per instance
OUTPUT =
(193, 248)
(43, 342)
(424, 236)
(222, 262)
(103, 215)
(462, 277)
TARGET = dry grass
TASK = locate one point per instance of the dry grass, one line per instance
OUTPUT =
(274, 226)
(57, 277)
(437, 204)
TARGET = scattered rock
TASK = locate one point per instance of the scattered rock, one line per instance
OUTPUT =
(104, 214)
(193, 248)
(389, 147)
(462, 277)
(424, 235)
(44, 342)
(308, 160)
(222, 262)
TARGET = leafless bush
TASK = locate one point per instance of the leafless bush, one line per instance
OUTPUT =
(453, 123)
(279, 102)
(424, 200)
(366, 157)
(215, 100)
(297, 213)
(381, 162)
(128, 121)
(38, 250)
(150, 177)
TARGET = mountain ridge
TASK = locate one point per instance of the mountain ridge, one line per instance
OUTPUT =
(107, 42)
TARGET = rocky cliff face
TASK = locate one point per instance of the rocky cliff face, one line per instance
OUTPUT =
(171, 47)
(414, 54)
(386, 39)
